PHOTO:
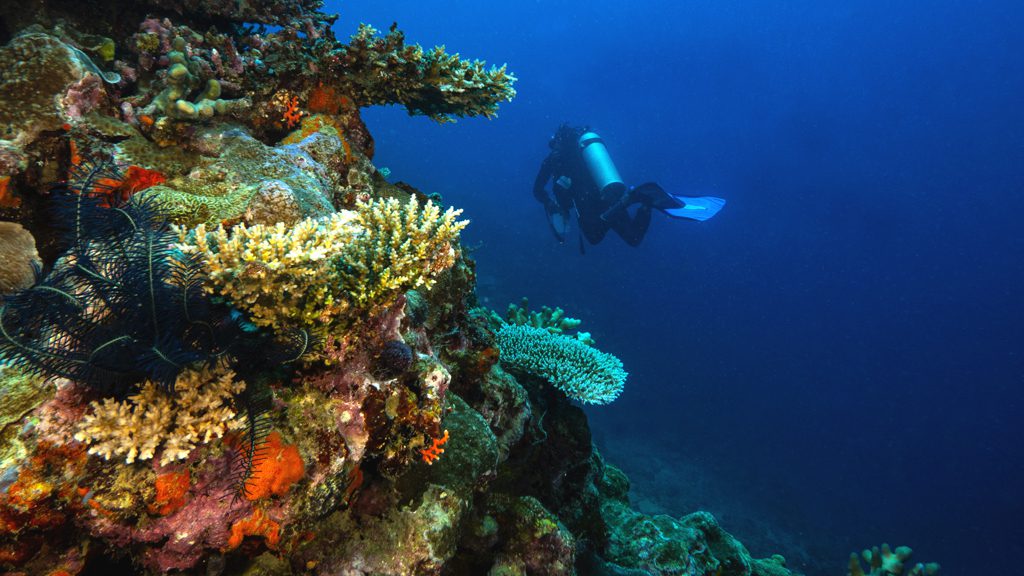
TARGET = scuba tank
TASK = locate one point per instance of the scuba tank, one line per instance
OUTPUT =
(601, 168)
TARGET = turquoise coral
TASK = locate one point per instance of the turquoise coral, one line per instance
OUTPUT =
(887, 562)
(582, 372)
(553, 320)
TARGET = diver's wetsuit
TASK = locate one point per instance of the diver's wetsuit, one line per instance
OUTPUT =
(573, 186)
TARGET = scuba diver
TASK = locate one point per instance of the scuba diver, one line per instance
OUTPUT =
(584, 178)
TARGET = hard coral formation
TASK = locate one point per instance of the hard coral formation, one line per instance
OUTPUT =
(182, 78)
(553, 320)
(582, 372)
(887, 562)
(238, 178)
(321, 273)
(400, 246)
(154, 420)
(281, 276)
(386, 70)
(38, 70)
(19, 256)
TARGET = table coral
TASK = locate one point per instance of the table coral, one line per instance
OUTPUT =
(386, 70)
(582, 372)
(552, 320)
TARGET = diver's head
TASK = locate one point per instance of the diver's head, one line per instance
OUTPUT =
(566, 135)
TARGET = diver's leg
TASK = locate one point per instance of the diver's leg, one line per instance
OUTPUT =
(593, 227)
(632, 229)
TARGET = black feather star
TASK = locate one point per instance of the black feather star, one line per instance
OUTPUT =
(120, 306)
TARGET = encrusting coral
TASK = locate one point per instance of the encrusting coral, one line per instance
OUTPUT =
(582, 372)
(19, 256)
(154, 420)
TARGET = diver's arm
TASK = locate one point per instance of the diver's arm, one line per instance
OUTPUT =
(545, 173)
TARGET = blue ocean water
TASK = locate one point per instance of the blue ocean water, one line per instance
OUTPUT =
(835, 360)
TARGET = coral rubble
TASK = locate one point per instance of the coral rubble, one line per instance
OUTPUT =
(295, 379)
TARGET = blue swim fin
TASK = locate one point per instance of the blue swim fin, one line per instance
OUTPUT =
(699, 209)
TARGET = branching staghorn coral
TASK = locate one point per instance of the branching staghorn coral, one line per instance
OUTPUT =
(582, 372)
(317, 275)
(386, 70)
(154, 420)
(400, 247)
(282, 277)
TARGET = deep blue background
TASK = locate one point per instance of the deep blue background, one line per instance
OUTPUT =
(836, 359)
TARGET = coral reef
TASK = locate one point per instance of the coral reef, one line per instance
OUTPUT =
(582, 372)
(297, 379)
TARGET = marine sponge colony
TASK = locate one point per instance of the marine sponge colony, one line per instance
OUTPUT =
(228, 345)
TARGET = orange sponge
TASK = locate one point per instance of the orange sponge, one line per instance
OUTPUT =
(279, 467)
(171, 490)
(259, 524)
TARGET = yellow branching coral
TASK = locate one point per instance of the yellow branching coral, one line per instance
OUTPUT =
(281, 276)
(322, 272)
(155, 420)
(400, 247)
